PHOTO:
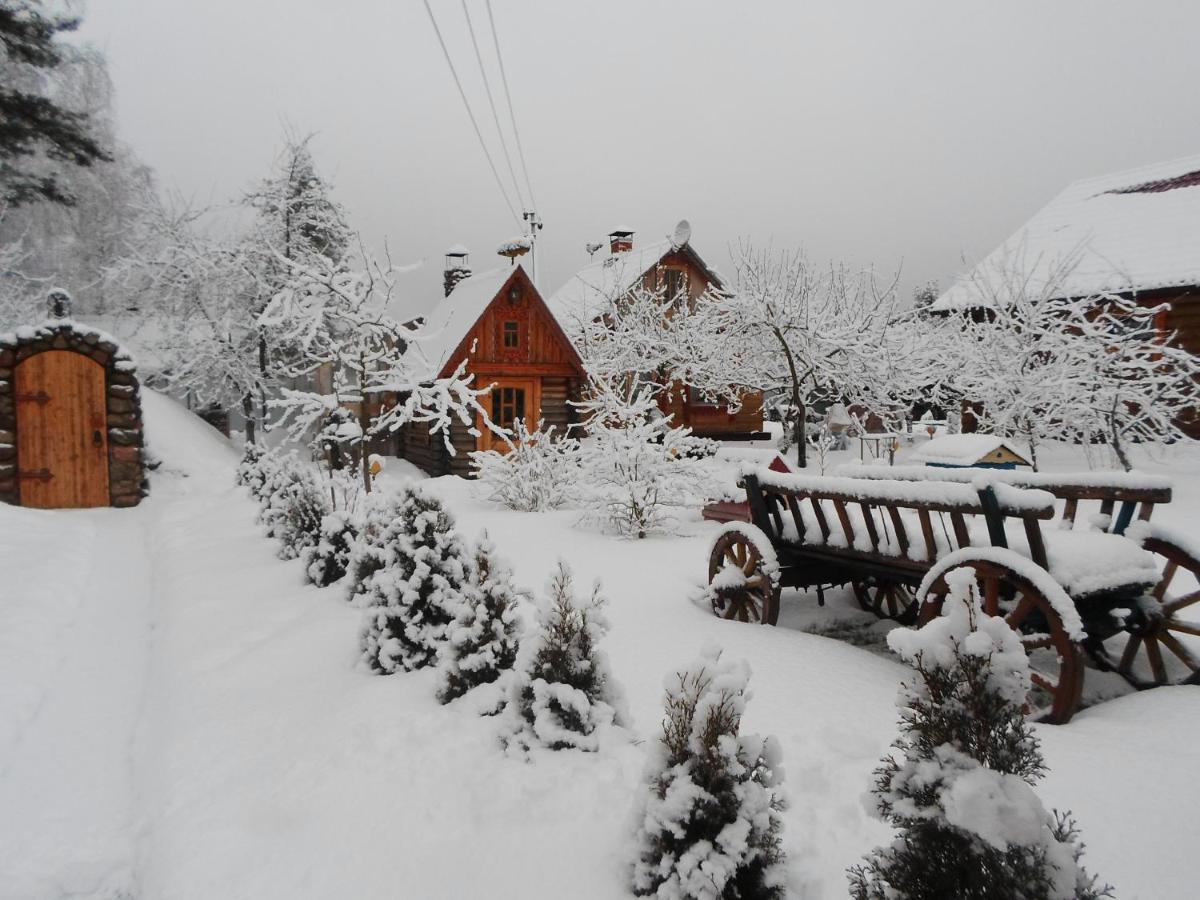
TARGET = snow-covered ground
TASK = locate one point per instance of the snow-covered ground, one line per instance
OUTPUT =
(181, 716)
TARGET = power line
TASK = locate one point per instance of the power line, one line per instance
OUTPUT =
(471, 115)
(512, 116)
(492, 103)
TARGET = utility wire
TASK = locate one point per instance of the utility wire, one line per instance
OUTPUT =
(474, 124)
(492, 103)
(512, 116)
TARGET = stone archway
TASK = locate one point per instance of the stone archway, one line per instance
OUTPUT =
(70, 419)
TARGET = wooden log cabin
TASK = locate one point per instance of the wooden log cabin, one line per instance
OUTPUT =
(1133, 234)
(499, 324)
(673, 266)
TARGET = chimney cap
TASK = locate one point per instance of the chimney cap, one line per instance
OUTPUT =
(621, 232)
(457, 250)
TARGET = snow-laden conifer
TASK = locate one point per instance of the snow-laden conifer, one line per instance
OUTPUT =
(327, 561)
(563, 695)
(539, 471)
(414, 596)
(958, 786)
(369, 552)
(481, 642)
(709, 824)
(295, 507)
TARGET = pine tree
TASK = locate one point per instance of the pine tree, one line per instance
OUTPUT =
(369, 553)
(415, 596)
(709, 825)
(482, 640)
(328, 561)
(958, 787)
(30, 123)
(564, 695)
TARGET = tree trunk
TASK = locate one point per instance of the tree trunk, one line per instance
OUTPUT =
(262, 369)
(1117, 445)
(248, 412)
(797, 404)
(364, 422)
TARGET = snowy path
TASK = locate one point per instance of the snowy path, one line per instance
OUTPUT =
(70, 769)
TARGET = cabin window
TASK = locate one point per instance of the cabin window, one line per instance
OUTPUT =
(508, 405)
(512, 334)
(672, 283)
(695, 398)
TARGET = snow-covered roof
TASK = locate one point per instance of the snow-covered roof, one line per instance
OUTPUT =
(457, 250)
(453, 318)
(963, 449)
(587, 293)
(1136, 230)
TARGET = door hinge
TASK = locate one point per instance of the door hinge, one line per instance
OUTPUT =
(41, 398)
(35, 475)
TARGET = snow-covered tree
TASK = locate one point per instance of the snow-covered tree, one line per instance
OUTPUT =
(1039, 364)
(563, 695)
(71, 245)
(802, 335)
(191, 290)
(539, 471)
(416, 595)
(481, 642)
(35, 129)
(709, 825)
(293, 507)
(327, 562)
(370, 551)
(959, 784)
(636, 468)
(335, 319)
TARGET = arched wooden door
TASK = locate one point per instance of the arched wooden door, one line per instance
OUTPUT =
(62, 439)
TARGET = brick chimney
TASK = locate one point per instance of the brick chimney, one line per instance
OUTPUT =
(456, 268)
(620, 241)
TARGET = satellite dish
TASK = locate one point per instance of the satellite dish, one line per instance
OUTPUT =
(682, 234)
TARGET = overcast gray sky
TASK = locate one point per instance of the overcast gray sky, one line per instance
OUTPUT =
(880, 133)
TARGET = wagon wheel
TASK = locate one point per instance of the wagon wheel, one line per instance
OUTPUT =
(749, 594)
(1165, 619)
(887, 599)
(1055, 661)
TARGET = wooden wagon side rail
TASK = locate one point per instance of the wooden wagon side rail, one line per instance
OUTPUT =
(1109, 488)
(871, 519)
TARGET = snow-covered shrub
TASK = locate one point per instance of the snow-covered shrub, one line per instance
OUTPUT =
(538, 472)
(256, 470)
(294, 505)
(369, 552)
(328, 561)
(415, 596)
(958, 786)
(637, 468)
(709, 824)
(563, 695)
(481, 642)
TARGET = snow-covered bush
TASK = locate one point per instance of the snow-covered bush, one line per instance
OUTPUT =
(481, 642)
(637, 469)
(958, 786)
(369, 552)
(256, 470)
(293, 507)
(538, 472)
(415, 596)
(563, 695)
(328, 561)
(709, 824)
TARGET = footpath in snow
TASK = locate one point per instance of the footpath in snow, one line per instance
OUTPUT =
(181, 716)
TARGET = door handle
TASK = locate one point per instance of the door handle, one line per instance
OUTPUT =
(97, 438)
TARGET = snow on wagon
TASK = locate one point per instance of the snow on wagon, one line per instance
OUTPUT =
(1099, 588)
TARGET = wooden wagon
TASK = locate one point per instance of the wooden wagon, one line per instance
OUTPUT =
(1101, 589)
